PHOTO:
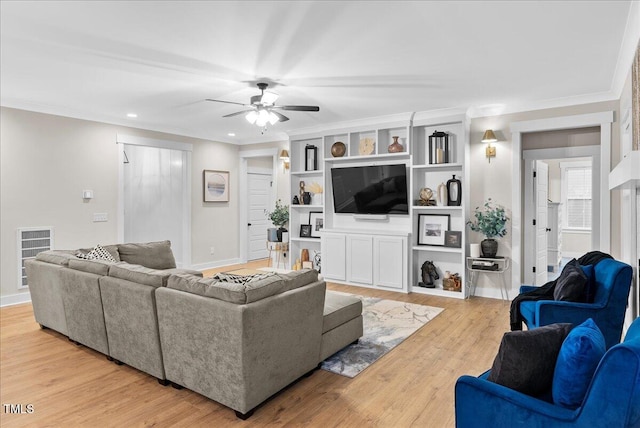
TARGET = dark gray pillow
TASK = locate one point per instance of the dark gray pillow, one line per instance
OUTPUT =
(571, 283)
(526, 359)
(154, 255)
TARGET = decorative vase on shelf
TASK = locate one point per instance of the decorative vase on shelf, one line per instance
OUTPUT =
(316, 199)
(306, 198)
(474, 250)
(395, 147)
(338, 149)
(489, 248)
(442, 195)
(454, 192)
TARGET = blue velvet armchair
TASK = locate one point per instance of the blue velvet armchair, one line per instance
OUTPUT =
(612, 282)
(612, 398)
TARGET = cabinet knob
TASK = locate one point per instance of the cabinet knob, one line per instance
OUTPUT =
(548, 230)
(248, 224)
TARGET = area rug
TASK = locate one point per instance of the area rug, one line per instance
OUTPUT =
(386, 324)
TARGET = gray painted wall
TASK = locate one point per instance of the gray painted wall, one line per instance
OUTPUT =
(46, 162)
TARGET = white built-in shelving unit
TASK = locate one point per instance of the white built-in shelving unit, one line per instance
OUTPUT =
(381, 251)
(431, 176)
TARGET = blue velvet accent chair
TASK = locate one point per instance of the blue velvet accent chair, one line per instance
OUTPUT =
(611, 283)
(612, 398)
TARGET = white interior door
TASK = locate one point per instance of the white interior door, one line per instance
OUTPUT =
(154, 185)
(536, 193)
(259, 196)
(541, 186)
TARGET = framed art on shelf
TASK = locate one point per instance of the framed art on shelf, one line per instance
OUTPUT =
(453, 239)
(317, 223)
(432, 228)
(305, 231)
(215, 186)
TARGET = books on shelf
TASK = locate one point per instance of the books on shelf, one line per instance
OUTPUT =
(484, 265)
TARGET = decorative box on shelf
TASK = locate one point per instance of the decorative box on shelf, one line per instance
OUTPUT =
(453, 283)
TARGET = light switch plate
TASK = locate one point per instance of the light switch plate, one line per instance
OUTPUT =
(99, 217)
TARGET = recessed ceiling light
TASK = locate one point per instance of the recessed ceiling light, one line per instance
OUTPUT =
(132, 115)
(231, 134)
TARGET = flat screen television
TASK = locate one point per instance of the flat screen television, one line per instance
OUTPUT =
(373, 189)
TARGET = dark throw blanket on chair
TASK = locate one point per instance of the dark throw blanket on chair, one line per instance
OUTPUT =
(545, 292)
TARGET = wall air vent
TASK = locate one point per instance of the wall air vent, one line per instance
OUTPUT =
(31, 241)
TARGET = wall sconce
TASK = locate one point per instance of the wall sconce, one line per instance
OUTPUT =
(284, 156)
(489, 137)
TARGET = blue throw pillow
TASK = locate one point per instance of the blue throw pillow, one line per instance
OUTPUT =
(577, 361)
(590, 286)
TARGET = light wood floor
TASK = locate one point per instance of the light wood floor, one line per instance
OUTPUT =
(413, 385)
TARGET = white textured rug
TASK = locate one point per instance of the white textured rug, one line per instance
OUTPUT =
(386, 324)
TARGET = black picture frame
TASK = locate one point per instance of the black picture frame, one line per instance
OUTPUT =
(432, 228)
(310, 158)
(305, 231)
(316, 220)
(453, 239)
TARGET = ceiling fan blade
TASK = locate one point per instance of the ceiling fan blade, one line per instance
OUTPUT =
(281, 117)
(237, 113)
(299, 108)
(227, 102)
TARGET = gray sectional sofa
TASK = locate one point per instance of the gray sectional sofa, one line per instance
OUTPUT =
(236, 340)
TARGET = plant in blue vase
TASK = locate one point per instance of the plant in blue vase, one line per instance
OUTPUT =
(491, 221)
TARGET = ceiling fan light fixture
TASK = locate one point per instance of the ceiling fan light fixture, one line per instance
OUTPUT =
(263, 118)
(268, 98)
(251, 117)
(273, 118)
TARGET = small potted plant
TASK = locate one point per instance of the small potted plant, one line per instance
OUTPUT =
(490, 220)
(279, 217)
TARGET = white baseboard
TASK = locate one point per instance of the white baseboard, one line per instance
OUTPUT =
(15, 299)
(216, 264)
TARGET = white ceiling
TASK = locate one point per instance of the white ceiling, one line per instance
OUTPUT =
(102, 60)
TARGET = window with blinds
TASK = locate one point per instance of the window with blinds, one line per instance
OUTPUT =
(576, 195)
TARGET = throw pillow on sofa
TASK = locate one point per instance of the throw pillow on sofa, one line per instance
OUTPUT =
(526, 359)
(98, 253)
(578, 359)
(154, 255)
(571, 283)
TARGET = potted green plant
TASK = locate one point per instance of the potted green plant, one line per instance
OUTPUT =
(490, 220)
(279, 217)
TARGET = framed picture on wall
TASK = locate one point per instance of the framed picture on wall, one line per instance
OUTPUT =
(432, 228)
(317, 223)
(215, 186)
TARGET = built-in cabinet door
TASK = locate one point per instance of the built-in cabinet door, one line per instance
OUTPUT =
(360, 259)
(333, 256)
(389, 256)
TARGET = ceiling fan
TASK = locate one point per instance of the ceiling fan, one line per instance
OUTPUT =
(263, 109)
